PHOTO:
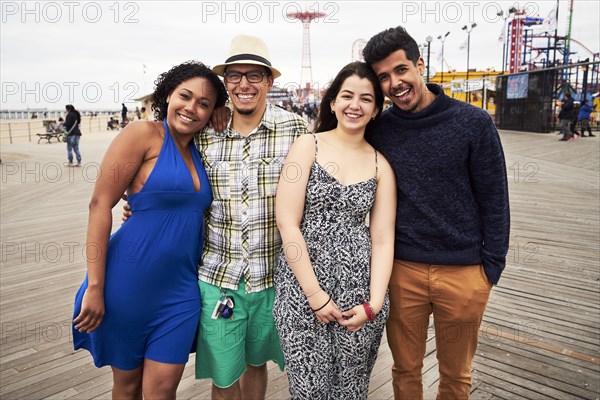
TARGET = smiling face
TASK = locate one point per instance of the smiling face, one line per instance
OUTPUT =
(190, 106)
(354, 105)
(402, 81)
(248, 98)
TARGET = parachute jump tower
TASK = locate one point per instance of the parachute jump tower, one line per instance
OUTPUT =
(306, 17)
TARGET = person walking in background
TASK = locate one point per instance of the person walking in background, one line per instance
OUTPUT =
(565, 116)
(72, 123)
(584, 118)
(452, 218)
(331, 280)
(573, 124)
(139, 305)
(123, 113)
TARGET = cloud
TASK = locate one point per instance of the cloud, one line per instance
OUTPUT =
(105, 44)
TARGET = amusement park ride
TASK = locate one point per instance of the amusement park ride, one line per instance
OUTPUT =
(539, 67)
(535, 45)
(306, 17)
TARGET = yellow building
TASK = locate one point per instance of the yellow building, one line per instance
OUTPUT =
(455, 86)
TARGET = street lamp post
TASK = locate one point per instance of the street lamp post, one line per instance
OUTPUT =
(443, 39)
(468, 29)
(428, 39)
(505, 34)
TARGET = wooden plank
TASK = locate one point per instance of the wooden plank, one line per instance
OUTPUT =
(554, 190)
(565, 369)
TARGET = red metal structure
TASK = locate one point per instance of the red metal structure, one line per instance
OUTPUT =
(516, 41)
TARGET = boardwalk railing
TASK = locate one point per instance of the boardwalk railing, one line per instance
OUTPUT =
(24, 130)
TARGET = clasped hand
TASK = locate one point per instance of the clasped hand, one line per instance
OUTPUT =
(354, 319)
(326, 311)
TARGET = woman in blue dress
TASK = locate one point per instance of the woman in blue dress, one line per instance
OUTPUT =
(138, 308)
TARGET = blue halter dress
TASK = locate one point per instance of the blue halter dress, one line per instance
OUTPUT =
(151, 293)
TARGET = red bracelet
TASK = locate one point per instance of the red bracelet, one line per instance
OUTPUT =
(369, 311)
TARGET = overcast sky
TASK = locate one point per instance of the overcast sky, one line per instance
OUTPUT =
(97, 55)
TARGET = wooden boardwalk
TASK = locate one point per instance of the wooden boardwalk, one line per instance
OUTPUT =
(540, 338)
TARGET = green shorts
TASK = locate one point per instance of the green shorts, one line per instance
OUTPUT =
(225, 346)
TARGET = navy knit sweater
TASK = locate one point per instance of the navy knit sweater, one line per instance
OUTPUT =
(452, 186)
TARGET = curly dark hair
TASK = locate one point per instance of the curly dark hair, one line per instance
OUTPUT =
(166, 83)
(326, 120)
(385, 43)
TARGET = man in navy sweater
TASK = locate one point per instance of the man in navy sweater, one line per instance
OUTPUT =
(452, 221)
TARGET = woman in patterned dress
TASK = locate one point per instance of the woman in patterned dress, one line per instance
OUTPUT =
(331, 281)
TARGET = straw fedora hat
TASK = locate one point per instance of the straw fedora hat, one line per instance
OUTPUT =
(247, 49)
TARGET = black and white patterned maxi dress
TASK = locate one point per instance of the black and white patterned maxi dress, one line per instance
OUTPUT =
(326, 361)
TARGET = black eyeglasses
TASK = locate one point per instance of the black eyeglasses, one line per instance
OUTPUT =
(252, 76)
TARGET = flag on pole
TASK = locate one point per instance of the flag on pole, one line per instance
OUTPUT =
(501, 37)
(550, 21)
(463, 46)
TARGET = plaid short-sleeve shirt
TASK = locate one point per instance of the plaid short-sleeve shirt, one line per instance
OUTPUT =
(242, 240)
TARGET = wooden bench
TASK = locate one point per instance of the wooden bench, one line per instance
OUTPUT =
(51, 131)
(50, 135)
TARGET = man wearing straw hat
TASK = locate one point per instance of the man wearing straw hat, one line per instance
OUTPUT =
(242, 241)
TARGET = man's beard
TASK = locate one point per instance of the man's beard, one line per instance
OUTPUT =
(246, 111)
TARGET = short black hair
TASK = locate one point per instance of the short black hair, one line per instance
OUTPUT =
(166, 83)
(326, 120)
(385, 43)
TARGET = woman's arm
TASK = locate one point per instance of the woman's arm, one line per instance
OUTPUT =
(383, 228)
(291, 196)
(382, 222)
(119, 166)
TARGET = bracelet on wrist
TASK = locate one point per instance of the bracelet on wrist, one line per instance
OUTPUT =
(369, 311)
(313, 293)
(323, 306)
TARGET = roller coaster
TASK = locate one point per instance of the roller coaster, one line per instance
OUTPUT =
(534, 45)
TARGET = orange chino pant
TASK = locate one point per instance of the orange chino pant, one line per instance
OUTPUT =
(457, 297)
